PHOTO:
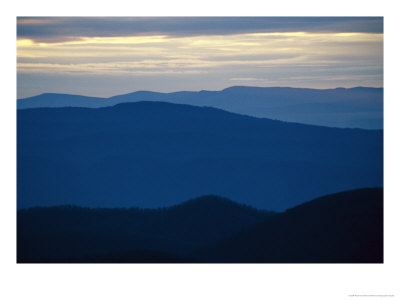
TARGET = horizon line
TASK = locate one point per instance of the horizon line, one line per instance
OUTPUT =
(202, 90)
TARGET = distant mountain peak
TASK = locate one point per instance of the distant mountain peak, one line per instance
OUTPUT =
(358, 107)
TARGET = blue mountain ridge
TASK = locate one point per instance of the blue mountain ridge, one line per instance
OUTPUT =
(358, 107)
(157, 154)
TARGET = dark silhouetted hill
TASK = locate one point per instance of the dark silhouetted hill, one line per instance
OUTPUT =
(76, 234)
(359, 107)
(136, 256)
(155, 154)
(346, 227)
(342, 228)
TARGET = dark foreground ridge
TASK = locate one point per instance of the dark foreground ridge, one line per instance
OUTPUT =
(340, 228)
(345, 227)
(58, 233)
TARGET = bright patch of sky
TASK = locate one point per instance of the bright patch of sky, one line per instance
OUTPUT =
(109, 56)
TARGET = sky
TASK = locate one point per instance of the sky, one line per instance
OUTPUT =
(103, 57)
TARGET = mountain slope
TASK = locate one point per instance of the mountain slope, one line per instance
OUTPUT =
(346, 227)
(62, 100)
(151, 154)
(342, 228)
(65, 233)
(354, 108)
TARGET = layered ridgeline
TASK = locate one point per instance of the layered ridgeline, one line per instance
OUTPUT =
(341, 228)
(353, 108)
(345, 227)
(60, 233)
(153, 154)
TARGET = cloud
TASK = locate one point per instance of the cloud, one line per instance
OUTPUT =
(248, 57)
(59, 29)
(167, 54)
(246, 79)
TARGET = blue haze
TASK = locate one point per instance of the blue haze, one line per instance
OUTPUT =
(155, 154)
(359, 107)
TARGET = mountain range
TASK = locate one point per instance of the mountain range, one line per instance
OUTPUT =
(157, 154)
(358, 107)
(344, 227)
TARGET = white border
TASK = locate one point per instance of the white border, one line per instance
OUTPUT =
(271, 281)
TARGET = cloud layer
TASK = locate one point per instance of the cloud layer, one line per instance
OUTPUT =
(165, 54)
(64, 29)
